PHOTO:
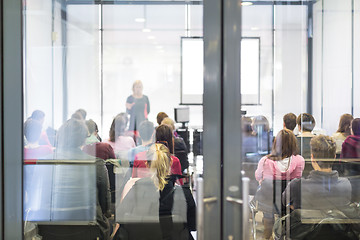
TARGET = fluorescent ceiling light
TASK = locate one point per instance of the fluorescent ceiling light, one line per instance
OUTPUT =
(159, 47)
(254, 28)
(246, 3)
(140, 20)
(146, 30)
(151, 37)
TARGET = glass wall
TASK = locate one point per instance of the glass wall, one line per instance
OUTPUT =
(110, 150)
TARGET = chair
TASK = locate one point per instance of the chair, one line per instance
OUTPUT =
(61, 198)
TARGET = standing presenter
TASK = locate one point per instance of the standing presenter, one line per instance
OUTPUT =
(137, 105)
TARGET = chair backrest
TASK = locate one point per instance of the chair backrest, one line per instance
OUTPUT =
(60, 193)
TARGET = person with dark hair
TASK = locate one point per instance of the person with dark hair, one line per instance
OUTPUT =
(93, 132)
(71, 137)
(138, 106)
(289, 121)
(343, 131)
(351, 145)
(306, 124)
(160, 116)
(283, 163)
(82, 113)
(163, 135)
(39, 116)
(249, 143)
(33, 150)
(262, 133)
(351, 152)
(119, 142)
(180, 149)
(146, 132)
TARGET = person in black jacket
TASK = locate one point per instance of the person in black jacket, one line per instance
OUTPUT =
(155, 207)
(71, 136)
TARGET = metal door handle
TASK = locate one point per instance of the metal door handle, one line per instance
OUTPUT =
(210, 200)
(234, 200)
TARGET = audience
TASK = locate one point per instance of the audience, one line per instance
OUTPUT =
(248, 140)
(289, 121)
(261, 130)
(93, 132)
(141, 202)
(71, 137)
(283, 163)
(32, 131)
(180, 149)
(306, 124)
(146, 133)
(39, 116)
(160, 116)
(119, 142)
(343, 131)
(163, 135)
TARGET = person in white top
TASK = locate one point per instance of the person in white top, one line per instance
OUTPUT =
(343, 131)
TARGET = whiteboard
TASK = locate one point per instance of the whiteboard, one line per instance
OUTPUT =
(192, 70)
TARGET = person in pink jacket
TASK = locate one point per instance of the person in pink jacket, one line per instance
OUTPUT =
(283, 163)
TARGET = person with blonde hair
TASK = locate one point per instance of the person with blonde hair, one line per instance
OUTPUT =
(137, 105)
(156, 199)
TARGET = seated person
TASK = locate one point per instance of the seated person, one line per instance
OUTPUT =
(32, 149)
(150, 199)
(93, 132)
(282, 164)
(261, 130)
(289, 121)
(146, 132)
(118, 140)
(343, 131)
(163, 135)
(180, 149)
(351, 151)
(71, 137)
(323, 190)
(160, 116)
(39, 116)
(306, 124)
(249, 144)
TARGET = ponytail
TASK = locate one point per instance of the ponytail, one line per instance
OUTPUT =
(160, 163)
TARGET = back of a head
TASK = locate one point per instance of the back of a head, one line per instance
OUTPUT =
(355, 126)
(168, 121)
(164, 134)
(32, 130)
(82, 112)
(306, 121)
(160, 116)
(160, 163)
(260, 124)
(125, 116)
(285, 145)
(146, 130)
(72, 134)
(117, 128)
(38, 115)
(290, 121)
(92, 126)
(323, 147)
(344, 124)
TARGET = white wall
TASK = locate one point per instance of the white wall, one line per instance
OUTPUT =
(332, 62)
(43, 64)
